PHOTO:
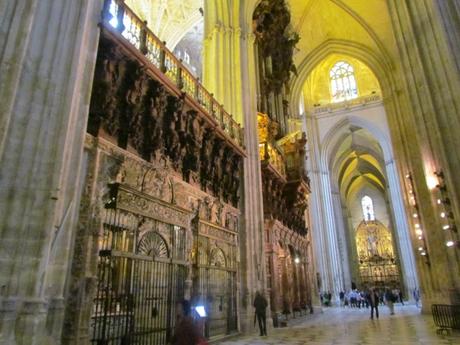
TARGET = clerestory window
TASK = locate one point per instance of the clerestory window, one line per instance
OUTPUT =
(368, 208)
(343, 82)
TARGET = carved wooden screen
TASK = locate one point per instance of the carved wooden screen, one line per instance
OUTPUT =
(141, 277)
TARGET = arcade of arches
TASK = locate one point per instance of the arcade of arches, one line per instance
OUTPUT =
(156, 150)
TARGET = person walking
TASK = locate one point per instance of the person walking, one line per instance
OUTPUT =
(342, 297)
(373, 301)
(401, 297)
(390, 299)
(260, 304)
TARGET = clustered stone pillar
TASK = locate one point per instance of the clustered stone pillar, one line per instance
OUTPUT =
(430, 82)
(229, 72)
(47, 61)
(342, 239)
(402, 233)
(318, 231)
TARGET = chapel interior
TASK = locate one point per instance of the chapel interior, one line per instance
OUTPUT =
(160, 150)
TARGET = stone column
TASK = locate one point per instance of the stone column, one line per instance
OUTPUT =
(430, 81)
(336, 277)
(403, 239)
(47, 63)
(230, 73)
(342, 240)
(449, 12)
(318, 229)
(352, 250)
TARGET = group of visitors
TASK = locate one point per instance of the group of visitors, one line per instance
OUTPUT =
(189, 331)
(360, 298)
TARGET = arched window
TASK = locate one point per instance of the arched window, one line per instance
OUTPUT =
(368, 208)
(343, 83)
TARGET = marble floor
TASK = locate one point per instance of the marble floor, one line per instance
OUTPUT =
(336, 326)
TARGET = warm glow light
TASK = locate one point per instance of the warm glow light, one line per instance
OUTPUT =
(450, 243)
(420, 237)
(418, 232)
(417, 226)
(423, 253)
(296, 260)
(415, 215)
(408, 176)
(439, 201)
(443, 214)
(431, 182)
(420, 248)
(446, 227)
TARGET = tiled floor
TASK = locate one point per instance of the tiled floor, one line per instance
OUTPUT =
(337, 326)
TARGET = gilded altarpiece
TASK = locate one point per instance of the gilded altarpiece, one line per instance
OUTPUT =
(378, 264)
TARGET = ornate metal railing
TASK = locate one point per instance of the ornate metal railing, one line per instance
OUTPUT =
(119, 18)
(361, 101)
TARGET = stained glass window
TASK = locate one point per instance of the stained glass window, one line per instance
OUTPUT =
(343, 82)
(368, 208)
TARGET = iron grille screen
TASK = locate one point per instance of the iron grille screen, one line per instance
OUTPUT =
(140, 280)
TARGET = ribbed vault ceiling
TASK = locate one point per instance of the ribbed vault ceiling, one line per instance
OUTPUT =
(170, 20)
(366, 22)
(358, 162)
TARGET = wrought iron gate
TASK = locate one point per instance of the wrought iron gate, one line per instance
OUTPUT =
(140, 280)
(217, 286)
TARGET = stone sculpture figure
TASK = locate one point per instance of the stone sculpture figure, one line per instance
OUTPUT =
(217, 169)
(136, 116)
(157, 109)
(236, 181)
(206, 159)
(108, 76)
(173, 112)
(194, 135)
(127, 96)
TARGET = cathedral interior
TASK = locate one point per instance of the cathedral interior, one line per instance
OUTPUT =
(160, 150)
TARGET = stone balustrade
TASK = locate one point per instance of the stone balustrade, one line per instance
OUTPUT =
(122, 21)
(352, 103)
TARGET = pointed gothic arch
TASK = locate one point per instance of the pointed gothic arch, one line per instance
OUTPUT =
(379, 64)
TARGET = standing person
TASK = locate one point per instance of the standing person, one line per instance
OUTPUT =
(186, 332)
(260, 303)
(400, 295)
(416, 296)
(342, 297)
(373, 300)
(389, 298)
